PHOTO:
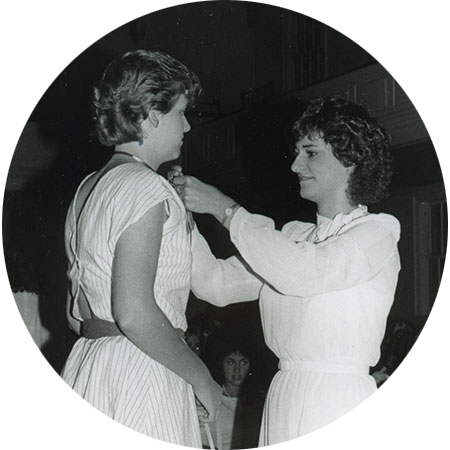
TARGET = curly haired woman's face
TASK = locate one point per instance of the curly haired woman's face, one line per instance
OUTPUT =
(322, 177)
(235, 368)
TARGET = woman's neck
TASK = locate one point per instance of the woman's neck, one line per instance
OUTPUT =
(231, 390)
(133, 151)
(331, 209)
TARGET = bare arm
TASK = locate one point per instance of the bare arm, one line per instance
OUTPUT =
(138, 315)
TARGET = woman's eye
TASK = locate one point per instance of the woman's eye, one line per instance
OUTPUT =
(311, 154)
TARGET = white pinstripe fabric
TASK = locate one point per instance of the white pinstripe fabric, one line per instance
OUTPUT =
(111, 373)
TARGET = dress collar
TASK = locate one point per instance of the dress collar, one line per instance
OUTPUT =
(329, 227)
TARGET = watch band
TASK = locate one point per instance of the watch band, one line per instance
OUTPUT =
(229, 212)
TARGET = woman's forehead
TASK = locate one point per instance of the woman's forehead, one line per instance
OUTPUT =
(311, 139)
(236, 355)
(181, 102)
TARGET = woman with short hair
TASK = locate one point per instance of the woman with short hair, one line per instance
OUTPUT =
(127, 244)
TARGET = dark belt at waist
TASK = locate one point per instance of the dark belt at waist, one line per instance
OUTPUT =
(98, 328)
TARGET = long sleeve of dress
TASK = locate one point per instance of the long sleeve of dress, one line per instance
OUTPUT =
(217, 281)
(300, 268)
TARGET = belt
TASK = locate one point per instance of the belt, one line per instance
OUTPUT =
(322, 366)
(98, 328)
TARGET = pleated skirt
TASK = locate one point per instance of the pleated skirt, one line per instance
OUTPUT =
(121, 381)
(300, 402)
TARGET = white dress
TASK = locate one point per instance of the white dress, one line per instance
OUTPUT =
(111, 373)
(326, 295)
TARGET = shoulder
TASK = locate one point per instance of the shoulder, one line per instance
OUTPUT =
(132, 189)
(138, 174)
(380, 223)
(129, 194)
(297, 229)
(135, 182)
(382, 220)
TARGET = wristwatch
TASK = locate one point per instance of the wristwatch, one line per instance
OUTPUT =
(229, 211)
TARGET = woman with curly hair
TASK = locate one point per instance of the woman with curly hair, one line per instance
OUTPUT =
(231, 358)
(325, 289)
(129, 259)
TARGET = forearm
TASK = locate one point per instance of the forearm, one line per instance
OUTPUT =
(224, 211)
(204, 199)
(217, 281)
(154, 335)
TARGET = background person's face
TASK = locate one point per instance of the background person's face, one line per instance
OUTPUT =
(235, 368)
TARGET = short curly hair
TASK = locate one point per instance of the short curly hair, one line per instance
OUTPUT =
(134, 84)
(357, 139)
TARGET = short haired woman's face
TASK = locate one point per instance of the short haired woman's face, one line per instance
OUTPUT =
(170, 130)
(321, 175)
(235, 368)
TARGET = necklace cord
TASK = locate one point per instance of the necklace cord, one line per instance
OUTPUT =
(136, 158)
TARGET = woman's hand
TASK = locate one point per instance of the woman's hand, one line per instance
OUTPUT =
(208, 398)
(177, 171)
(173, 172)
(202, 198)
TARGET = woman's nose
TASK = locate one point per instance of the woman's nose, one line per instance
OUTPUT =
(187, 125)
(298, 164)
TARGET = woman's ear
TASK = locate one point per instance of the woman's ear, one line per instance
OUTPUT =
(153, 118)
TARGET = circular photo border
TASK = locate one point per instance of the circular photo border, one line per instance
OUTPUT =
(41, 39)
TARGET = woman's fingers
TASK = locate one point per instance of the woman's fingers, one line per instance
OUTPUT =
(183, 185)
(175, 175)
(180, 180)
(174, 171)
(178, 183)
(195, 194)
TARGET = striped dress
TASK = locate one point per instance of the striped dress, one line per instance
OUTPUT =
(111, 373)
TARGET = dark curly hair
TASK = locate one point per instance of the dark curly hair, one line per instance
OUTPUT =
(223, 344)
(134, 84)
(357, 139)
